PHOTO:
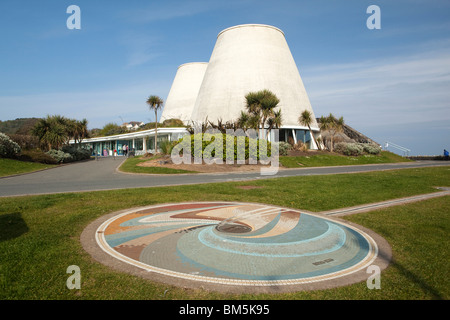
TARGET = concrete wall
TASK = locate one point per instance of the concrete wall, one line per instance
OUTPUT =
(183, 93)
(250, 58)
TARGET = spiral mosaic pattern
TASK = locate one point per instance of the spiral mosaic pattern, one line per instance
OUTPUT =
(236, 243)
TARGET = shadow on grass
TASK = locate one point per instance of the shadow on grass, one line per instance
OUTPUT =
(422, 283)
(426, 288)
(12, 226)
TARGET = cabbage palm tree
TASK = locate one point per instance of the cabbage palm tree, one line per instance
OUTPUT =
(306, 119)
(52, 131)
(155, 103)
(275, 121)
(260, 106)
(78, 130)
(83, 131)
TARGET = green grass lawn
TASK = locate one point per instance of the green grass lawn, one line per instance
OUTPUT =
(10, 167)
(40, 235)
(339, 160)
(131, 165)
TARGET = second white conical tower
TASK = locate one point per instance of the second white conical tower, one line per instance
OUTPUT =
(184, 91)
(248, 58)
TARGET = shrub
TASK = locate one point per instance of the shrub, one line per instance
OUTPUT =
(349, 149)
(37, 156)
(76, 153)
(166, 146)
(60, 156)
(283, 148)
(356, 149)
(8, 148)
(26, 142)
(371, 148)
(207, 139)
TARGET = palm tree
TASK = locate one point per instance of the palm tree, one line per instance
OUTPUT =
(260, 106)
(155, 103)
(52, 131)
(82, 129)
(78, 130)
(275, 121)
(306, 119)
(242, 121)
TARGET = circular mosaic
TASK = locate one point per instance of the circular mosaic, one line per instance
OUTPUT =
(236, 243)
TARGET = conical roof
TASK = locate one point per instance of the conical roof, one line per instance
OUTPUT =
(249, 58)
(183, 93)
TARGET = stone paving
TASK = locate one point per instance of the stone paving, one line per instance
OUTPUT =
(236, 247)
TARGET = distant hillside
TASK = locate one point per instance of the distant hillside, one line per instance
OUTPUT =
(18, 126)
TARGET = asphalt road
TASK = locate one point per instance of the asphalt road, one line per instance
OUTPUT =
(103, 175)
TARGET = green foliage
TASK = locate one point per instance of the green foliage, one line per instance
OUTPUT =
(244, 148)
(18, 126)
(26, 142)
(36, 155)
(166, 146)
(69, 154)
(371, 148)
(349, 149)
(283, 148)
(60, 156)
(173, 123)
(261, 111)
(356, 149)
(111, 129)
(8, 148)
(55, 131)
(77, 153)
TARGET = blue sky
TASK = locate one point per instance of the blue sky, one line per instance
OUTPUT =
(391, 84)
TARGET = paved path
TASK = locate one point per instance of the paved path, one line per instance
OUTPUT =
(383, 204)
(103, 175)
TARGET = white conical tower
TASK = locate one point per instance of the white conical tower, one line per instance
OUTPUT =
(248, 58)
(183, 93)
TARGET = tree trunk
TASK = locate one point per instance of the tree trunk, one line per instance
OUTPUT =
(156, 131)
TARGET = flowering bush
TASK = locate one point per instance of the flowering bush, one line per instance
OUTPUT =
(8, 148)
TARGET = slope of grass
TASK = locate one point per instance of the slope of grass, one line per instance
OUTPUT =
(10, 167)
(339, 160)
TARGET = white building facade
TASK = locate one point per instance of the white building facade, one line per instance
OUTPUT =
(139, 142)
